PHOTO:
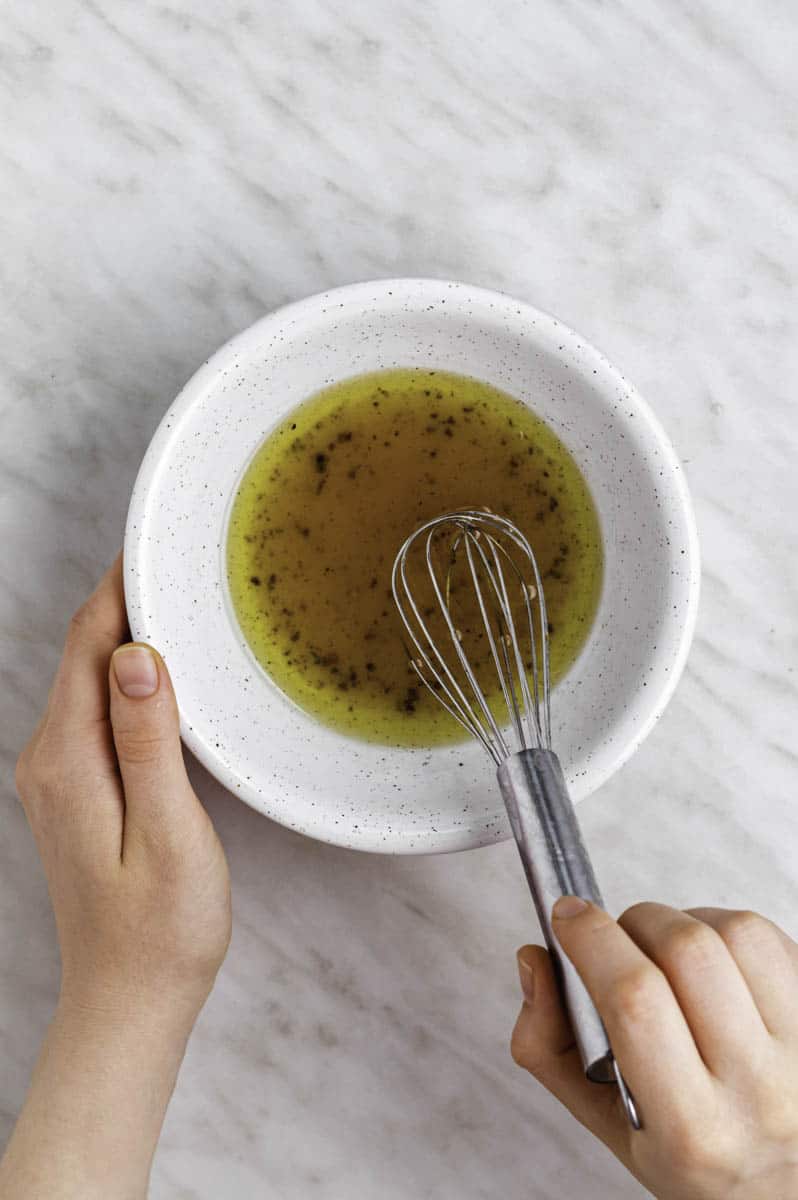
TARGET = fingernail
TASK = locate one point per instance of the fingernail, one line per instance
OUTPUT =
(568, 906)
(136, 671)
(527, 977)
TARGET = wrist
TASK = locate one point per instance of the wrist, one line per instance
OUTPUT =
(150, 1032)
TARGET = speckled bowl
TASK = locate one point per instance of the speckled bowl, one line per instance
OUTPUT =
(261, 746)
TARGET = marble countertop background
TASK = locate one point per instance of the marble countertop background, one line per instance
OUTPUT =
(169, 172)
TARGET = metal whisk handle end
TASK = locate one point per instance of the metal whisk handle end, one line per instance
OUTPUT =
(556, 864)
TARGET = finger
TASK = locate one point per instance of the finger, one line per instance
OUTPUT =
(543, 1043)
(79, 695)
(712, 993)
(767, 960)
(647, 1030)
(160, 803)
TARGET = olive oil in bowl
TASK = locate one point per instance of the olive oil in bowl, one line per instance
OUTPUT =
(334, 491)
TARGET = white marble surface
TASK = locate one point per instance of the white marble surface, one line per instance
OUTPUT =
(168, 173)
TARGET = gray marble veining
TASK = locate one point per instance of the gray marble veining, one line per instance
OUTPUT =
(170, 172)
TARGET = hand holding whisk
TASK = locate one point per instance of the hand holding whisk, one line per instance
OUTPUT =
(487, 558)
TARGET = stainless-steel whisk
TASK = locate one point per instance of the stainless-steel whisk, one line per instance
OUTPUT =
(542, 817)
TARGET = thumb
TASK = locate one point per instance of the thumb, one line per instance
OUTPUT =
(146, 729)
(544, 1045)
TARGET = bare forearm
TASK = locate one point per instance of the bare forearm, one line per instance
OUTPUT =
(93, 1114)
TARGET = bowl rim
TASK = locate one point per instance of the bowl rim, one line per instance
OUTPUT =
(415, 287)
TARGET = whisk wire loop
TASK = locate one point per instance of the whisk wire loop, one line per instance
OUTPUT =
(531, 702)
(455, 702)
(487, 540)
(484, 716)
(472, 545)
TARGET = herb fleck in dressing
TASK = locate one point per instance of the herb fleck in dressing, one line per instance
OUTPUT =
(334, 491)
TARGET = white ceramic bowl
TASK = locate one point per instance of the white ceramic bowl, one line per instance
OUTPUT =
(260, 745)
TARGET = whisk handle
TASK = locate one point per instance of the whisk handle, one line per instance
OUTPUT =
(556, 864)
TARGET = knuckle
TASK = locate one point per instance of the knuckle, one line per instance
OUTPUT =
(779, 1117)
(22, 772)
(81, 619)
(49, 782)
(526, 1049)
(90, 622)
(635, 911)
(688, 939)
(706, 1148)
(518, 1054)
(46, 784)
(696, 1154)
(523, 1054)
(743, 927)
(138, 746)
(635, 994)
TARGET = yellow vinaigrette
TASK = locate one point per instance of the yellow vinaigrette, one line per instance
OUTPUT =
(334, 491)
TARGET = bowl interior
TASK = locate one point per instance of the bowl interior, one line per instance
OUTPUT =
(233, 718)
